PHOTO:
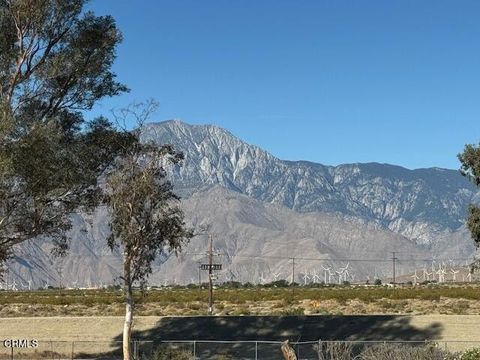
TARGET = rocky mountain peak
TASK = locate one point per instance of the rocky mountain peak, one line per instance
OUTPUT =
(415, 203)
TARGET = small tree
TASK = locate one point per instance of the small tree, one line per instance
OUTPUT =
(145, 217)
(470, 168)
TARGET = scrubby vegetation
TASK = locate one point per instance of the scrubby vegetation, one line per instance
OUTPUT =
(236, 299)
(334, 351)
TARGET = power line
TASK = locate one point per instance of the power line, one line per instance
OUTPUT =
(336, 259)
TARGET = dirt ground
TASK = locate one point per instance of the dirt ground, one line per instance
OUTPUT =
(106, 329)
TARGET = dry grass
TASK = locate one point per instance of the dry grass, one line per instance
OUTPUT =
(251, 301)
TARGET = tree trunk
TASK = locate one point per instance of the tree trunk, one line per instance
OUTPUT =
(287, 351)
(127, 326)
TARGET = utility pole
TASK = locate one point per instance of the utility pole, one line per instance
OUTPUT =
(199, 278)
(394, 259)
(210, 273)
(293, 277)
(293, 271)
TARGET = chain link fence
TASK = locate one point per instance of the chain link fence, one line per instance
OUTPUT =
(310, 350)
(218, 350)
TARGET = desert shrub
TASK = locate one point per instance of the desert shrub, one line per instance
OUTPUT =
(296, 311)
(358, 351)
(472, 354)
(461, 307)
(278, 284)
(405, 352)
(335, 350)
(165, 352)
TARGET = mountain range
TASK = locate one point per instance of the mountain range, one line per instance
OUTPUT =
(264, 211)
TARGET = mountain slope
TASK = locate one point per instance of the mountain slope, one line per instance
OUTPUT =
(255, 242)
(420, 204)
(265, 211)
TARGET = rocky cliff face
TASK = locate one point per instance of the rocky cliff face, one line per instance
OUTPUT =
(419, 204)
(265, 211)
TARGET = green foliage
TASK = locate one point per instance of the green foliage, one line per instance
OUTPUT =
(165, 352)
(472, 354)
(145, 216)
(470, 168)
(278, 283)
(470, 160)
(473, 223)
(55, 60)
(405, 352)
(377, 282)
(293, 312)
(183, 295)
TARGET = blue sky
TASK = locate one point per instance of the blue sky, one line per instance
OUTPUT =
(326, 81)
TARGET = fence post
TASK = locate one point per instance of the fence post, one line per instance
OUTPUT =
(12, 352)
(51, 350)
(256, 350)
(135, 349)
(194, 350)
(73, 347)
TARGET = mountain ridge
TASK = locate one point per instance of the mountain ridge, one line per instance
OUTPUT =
(255, 201)
(401, 199)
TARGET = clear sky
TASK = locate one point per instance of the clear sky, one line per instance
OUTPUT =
(326, 81)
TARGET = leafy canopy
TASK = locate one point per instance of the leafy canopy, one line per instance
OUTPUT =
(55, 63)
(470, 168)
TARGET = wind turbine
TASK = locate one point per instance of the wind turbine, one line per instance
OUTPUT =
(339, 273)
(415, 277)
(454, 274)
(441, 274)
(315, 276)
(344, 272)
(331, 273)
(231, 276)
(429, 274)
(276, 276)
(433, 270)
(326, 271)
(23, 285)
(305, 279)
(262, 279)
(444, 272)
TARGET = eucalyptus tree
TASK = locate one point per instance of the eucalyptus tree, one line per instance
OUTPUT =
(145, 216)
(55, 64)
(470, 168)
